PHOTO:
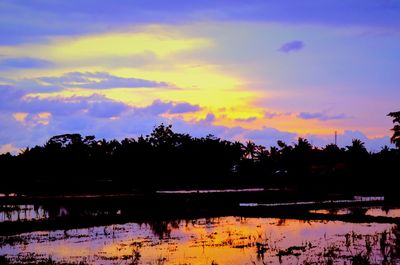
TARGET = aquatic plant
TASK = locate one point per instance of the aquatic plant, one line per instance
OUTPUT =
(33, 261)
(360, 259)
(136, 253)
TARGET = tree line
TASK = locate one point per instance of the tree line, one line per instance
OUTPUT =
(165, 159)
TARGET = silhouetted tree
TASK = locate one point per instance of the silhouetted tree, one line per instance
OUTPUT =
(165, 159)
(302, 145)
(250, 149)
(357, 147)
(396, 128)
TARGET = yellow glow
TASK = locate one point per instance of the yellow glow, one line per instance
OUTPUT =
(20, 116)
(190, 81)
(8, 148)
(204, 84)
(201, 83)
(42, 118)
(107, 45)
(123, 45)
(225, 240)
(171, 53)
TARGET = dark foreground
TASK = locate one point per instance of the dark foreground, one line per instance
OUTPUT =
(328, 232)
(254, 226)
(79, 211)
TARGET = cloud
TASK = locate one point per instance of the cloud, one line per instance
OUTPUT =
(160, 107)
(35, 86)
(184, 108)
(57, 106)
(89, 80)
(373, 144)
(8, 148)
(292, 46)
(210, 117)
(320, 116)
(30, 20)
(250, 119)
(9, 96)
(131, 123)
(14, 100)
(99, 80)
(271, 115)
(107, 109)
(269, 136)
(156, 108)
(24, 63)
(28, 122)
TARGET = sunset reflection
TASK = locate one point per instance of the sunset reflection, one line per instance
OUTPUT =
(225, 240)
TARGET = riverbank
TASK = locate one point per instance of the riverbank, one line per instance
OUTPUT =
(78, 211)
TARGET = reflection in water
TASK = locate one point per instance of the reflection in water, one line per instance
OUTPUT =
(225, 240)
(213, 191)
(371, 211)
(354, 200)
(383, 212)
(22, 213)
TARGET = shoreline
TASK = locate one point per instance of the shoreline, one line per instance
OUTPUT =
(124, 208)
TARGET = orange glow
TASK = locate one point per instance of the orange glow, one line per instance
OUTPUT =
(20, 116)
(42, 118)
(225, 240)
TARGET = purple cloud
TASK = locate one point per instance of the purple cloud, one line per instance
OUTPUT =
(56, 106)
(184, 108)
(271, 115)
(344, 139)
(24, 62)
(160, 107)
(133, 124)
(320, 116)
(292, 46)
(89, 80)
(13, 100)
(91, 16)
(107, 109)
(99, 80)
(156, 108)
(9, 96)
(210, 117)
(250, 119)
(269, 136)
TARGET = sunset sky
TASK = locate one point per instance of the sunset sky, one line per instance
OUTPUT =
(258, 70)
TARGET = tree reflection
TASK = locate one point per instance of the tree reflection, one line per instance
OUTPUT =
(162, 229)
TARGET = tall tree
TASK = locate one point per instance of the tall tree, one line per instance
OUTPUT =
(250, 150)
(396, 128)
(357, 147)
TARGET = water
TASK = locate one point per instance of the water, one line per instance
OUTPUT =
(368, 211)
(22, 213)
(213, 191)
(354, 200)
(223, 240)
(31, 212)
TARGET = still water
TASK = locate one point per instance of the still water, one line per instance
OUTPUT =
(223, 240)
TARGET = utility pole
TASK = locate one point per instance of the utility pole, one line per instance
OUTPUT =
(336, 138)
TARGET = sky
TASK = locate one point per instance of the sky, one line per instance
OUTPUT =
(240, 70)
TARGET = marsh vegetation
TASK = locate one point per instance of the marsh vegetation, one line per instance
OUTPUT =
(221, 240)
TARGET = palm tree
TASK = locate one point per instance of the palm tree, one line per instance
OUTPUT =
(396, 128)
(250, 150)
(357, 146)
(303, 145)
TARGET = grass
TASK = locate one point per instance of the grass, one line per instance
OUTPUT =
(32, 261)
